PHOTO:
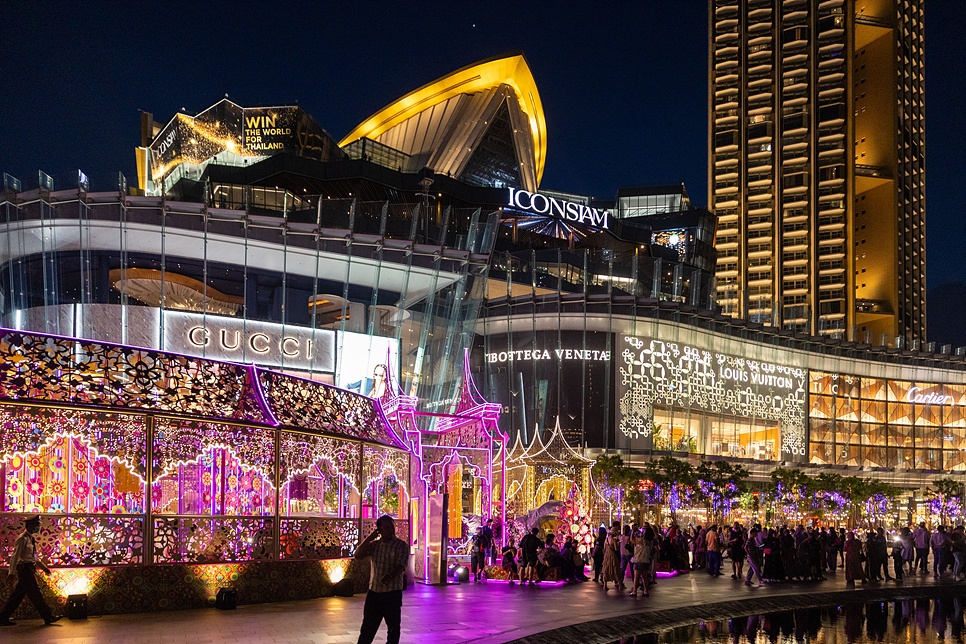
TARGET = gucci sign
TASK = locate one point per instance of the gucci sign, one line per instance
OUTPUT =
(264, 343)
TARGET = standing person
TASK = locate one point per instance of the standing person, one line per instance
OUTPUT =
(478, 549)
(388, 557)
(627, 552)
(833, 545)
(853, 559)
(842, 547)
(714, 552)
(958, 548)
(774, 568)
(612, 556)
(908, 548)
(508, 563)
(897, 558)
(529, 546)
(921, 539)
(490, 551)
(599, 553)
(736, 551)
(789, 554)
(701, 548)
(938, 543)
(871, 555)
(643, 551)
(23, 563)
(882, 553)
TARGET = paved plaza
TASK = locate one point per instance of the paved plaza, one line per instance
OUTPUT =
(479, 613)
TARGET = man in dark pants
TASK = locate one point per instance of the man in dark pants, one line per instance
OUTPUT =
(920, 539)
(23, 562)
(387, 565)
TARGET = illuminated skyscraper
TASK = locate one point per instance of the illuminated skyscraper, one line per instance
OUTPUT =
(816, 167)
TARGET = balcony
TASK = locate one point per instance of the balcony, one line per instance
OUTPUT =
(872, 21)
(794, 123)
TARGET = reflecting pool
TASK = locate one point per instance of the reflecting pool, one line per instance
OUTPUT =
(911, 621)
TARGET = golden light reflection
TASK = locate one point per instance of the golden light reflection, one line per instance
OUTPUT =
(74, 581)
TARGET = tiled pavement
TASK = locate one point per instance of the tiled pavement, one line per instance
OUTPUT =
(479, 613)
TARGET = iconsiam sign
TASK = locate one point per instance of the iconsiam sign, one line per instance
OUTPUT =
(140, 460)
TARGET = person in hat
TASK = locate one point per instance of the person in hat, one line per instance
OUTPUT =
(22, 564)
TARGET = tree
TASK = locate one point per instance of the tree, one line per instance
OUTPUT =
(618, 481)
(875, 499)
(721, 484)
(787, 491)
(947, 499)
(674, 482)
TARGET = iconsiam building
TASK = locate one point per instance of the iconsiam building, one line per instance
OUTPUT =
(223, 376)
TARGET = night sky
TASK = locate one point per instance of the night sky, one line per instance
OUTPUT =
(623, 84)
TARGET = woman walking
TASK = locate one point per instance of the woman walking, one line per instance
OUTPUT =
(612, 556)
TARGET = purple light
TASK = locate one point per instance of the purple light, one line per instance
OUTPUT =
(260, 395)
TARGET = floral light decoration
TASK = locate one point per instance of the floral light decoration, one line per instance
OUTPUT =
(56, 465)
(16, 462)
(81, 489)
(35, 487)
(80, 465)
(575, 521)
(58, 488)
(100, 491)
(101, 468)
(35, 462)
(15, 489)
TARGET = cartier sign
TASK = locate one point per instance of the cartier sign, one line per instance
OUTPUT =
(236, 340)
(539, 204)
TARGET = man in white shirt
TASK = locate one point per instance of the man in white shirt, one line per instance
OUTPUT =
(23, 562)
(388, 558)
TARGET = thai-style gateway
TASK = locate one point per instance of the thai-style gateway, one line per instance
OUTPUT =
(276, 337)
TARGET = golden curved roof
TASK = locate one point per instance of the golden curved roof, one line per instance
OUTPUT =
(511, 70)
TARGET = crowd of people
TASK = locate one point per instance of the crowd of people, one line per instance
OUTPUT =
(632, 555)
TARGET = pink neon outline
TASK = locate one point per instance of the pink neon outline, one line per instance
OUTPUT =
(260, 395)
(4, 331)
(376, 402)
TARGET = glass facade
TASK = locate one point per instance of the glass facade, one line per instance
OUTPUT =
(631, 205)
(877, 422)
(288, 281)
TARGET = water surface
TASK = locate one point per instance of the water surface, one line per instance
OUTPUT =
(912, 621)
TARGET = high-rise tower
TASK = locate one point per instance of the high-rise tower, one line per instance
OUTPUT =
(816, 167)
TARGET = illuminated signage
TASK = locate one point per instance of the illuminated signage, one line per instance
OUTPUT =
(915, 395)
(546, 354)
(245, 132)
(552, 207)
(263, 130)
(264, 343)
